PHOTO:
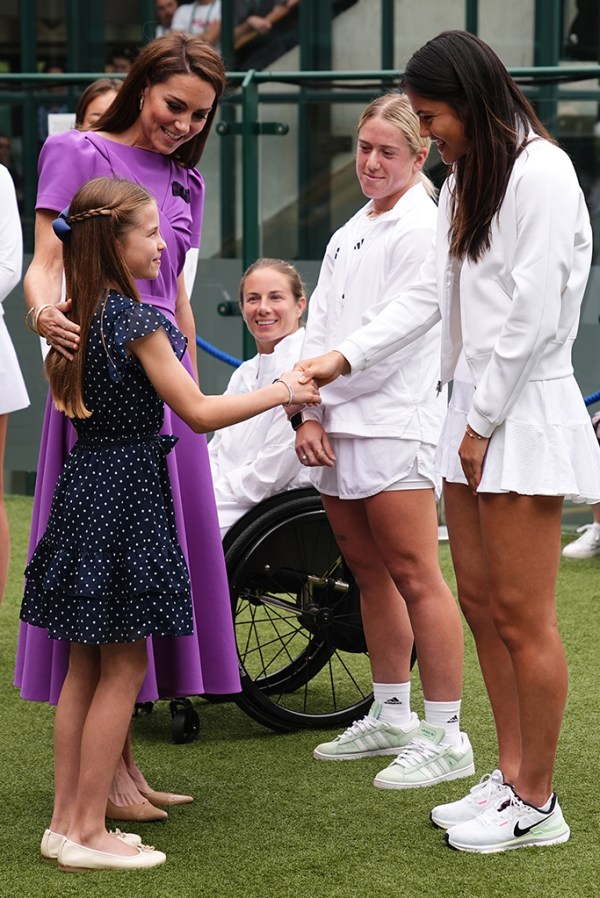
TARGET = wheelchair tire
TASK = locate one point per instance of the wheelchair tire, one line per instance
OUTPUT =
(296, 609)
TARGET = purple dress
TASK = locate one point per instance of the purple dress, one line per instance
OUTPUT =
(178, 666)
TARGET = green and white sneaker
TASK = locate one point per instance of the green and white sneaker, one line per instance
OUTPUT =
(425, 761)
(367, 738)
(511, 823)
(488, 792)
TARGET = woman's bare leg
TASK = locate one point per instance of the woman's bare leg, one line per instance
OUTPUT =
(472, 577)
(385, 620)
(521, 545)
(403, 524)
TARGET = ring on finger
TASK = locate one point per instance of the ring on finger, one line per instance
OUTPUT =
(304, 458)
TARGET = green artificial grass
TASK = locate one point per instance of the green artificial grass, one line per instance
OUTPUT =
(270, 822)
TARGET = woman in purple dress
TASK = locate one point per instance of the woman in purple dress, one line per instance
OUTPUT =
(153, 134)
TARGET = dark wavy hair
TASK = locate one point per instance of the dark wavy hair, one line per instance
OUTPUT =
(176, 53)
(460, 69)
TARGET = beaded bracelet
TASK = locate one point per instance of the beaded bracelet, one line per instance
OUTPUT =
(471, 433)
(279, 380)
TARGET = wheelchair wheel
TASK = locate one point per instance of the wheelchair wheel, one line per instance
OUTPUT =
(296, 608)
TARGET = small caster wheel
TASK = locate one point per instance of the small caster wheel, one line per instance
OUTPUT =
(185, 723)
(143, 709)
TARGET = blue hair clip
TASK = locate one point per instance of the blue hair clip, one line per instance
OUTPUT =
(61, 226)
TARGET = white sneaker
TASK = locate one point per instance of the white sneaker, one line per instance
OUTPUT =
(588, 544)
(426, 761)
(512, 823)
(367, 738)
(490, 789)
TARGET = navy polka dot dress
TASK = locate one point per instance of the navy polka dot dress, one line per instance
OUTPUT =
(109, 567)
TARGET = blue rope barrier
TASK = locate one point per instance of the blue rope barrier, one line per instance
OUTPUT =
(218, 353)
(593, 397)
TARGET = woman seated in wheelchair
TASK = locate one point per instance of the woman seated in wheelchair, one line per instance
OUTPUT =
(254, 460)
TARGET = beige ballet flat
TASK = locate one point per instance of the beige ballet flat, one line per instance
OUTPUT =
(51, 842)
(74, 858)
(166, 799)
(142, 812)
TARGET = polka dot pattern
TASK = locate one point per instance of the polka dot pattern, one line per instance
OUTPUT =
(109, 567)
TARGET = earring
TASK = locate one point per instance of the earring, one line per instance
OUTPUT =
(141, 103)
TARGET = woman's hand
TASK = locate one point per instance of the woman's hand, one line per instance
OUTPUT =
(472, 452)
(313, 447)
(58, 330)
(305, 392)
(324, 368)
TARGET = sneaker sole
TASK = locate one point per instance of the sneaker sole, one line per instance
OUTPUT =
(443, 778)
(356, 755)
(522, 842)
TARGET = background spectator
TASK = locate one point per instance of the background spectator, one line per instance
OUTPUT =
(202, 17)
(165, 10)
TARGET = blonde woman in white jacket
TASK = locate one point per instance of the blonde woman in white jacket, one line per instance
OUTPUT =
(372, 452)
(506, 280)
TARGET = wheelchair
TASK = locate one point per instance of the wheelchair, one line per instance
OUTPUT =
(296, 611)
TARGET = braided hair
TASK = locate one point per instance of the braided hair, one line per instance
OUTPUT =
(99, 216)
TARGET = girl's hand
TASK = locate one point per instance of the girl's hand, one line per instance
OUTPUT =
(313, 447)
(324, 368)
(472, 452)
(58, 330)
(305, 392)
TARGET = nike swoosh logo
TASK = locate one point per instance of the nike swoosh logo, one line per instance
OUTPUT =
(527, 829)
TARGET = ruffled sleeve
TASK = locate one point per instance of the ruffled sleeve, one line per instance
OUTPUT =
(127, 321)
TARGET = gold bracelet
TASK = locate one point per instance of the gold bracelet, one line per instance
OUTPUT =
(471, 433)
(29, 324)
(37, 312)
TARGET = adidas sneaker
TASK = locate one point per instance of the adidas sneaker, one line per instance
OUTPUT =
(426, 760)
(367, 738)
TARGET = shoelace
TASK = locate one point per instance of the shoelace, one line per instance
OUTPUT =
(359, 727)
(509, 808)
(416, 751)
(484, 788)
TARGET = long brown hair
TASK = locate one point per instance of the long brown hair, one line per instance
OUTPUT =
(100, 214)
(460, 69)
(93, 90)
(176, 53)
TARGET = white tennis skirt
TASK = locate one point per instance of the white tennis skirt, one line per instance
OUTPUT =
(13, 393)
(545, 447)
(366, 466)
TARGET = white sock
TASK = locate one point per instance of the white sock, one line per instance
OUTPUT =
(447, 715)
(395, 702)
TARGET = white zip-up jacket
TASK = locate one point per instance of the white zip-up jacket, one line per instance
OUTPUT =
(364, 265)
(515, 313)
(255, 459)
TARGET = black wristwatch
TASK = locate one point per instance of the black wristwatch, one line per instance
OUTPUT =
(298, 420)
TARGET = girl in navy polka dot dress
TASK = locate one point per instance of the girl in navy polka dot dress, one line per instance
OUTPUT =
(109, 571)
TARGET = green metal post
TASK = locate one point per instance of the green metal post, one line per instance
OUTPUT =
(28, 40)
(472, 16)
(388, 33)
(547, 53)
(250, 180)
(227, 145)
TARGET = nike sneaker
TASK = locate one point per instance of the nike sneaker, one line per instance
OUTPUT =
(512, 823)
(487, 793)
